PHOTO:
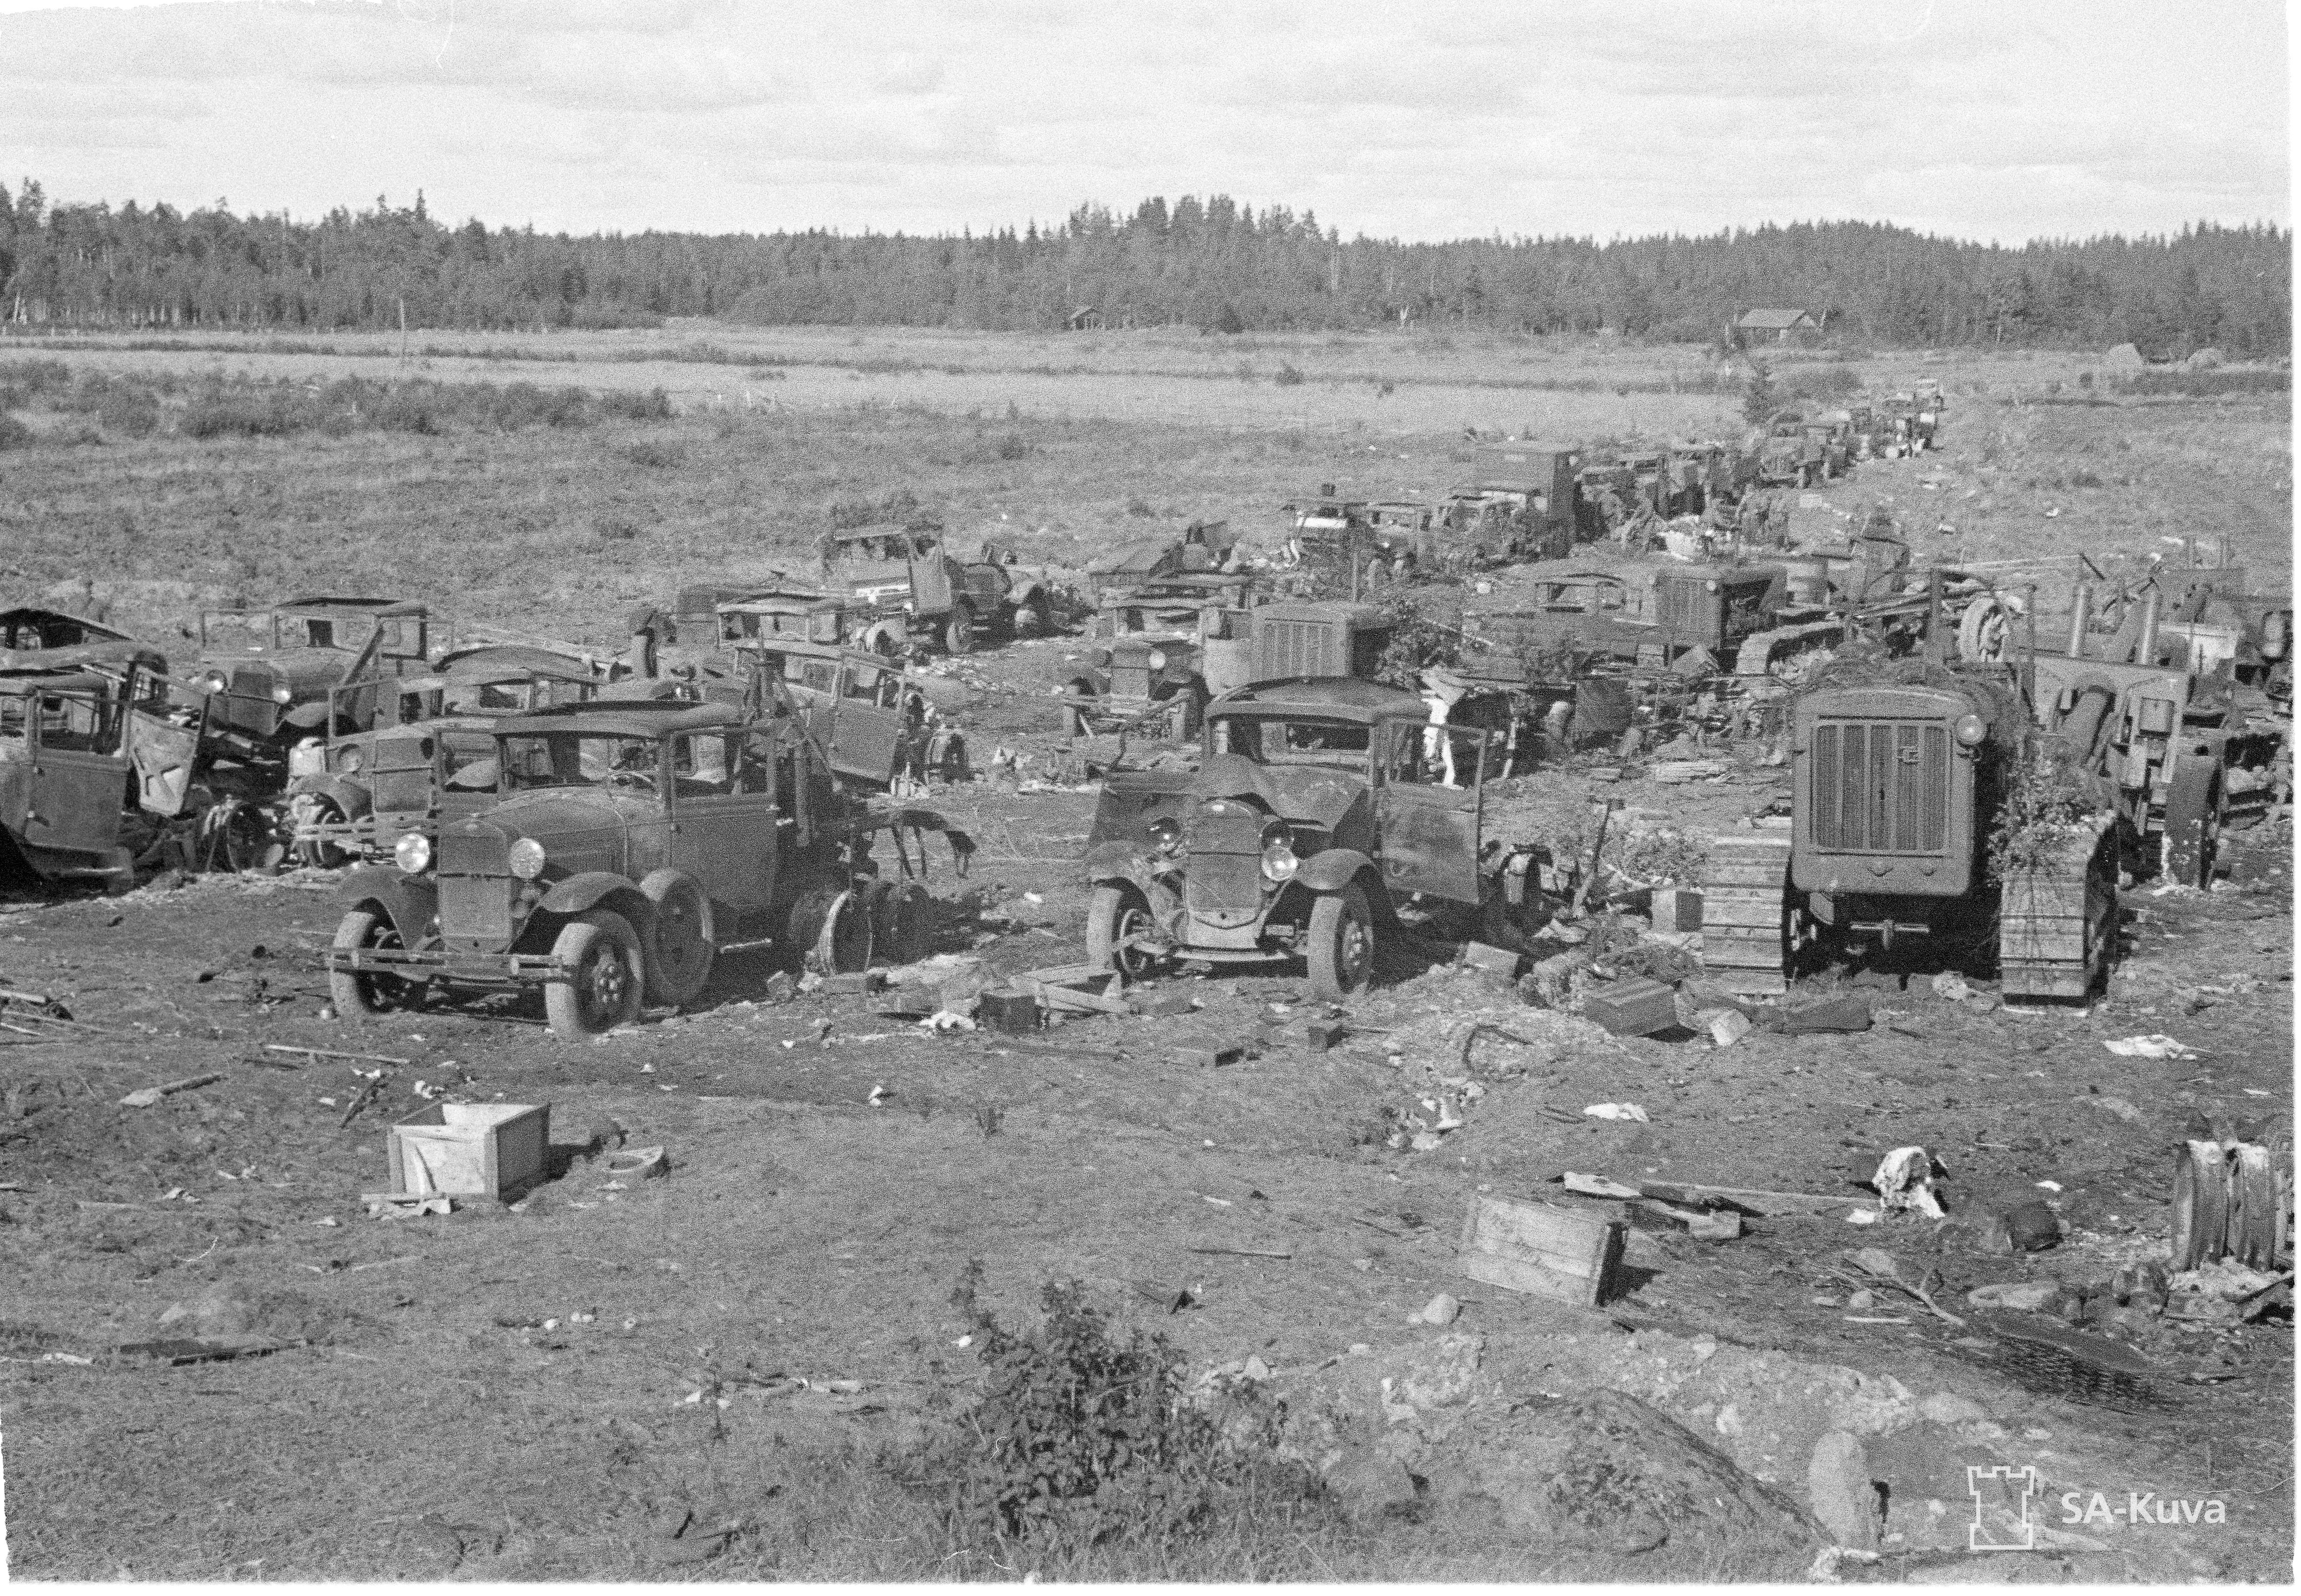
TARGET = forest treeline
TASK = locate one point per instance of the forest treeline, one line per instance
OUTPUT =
(1210, 264)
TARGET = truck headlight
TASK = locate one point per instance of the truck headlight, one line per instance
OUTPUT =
(1165, 836)
(526, 858)
(283, 694)
(1157, 659)
(413, 853)
(1970, 729)
(213, 681)
(1278, 861)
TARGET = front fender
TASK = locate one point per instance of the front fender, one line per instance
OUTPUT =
(580, 893)
(412, 902)
(305, 717)
(354, 801)
(1333, 870)
(1110, 863)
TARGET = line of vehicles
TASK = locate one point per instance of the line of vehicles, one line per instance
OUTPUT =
(719, 783)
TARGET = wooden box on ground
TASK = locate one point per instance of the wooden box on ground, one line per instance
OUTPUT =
(1545, 1251)
(1632, 1007)
(1676, 908)
(470, 1149)
(2057, 920)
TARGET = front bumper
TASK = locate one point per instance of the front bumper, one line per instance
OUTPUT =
(441, 963)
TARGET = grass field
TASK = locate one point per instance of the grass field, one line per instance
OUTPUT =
(814, 1227)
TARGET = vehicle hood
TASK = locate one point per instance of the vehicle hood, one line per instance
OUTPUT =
(306, 670)
(1308, 794)
(579, 829)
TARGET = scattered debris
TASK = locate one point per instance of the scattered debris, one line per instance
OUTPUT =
(2153, 1046)
(1440, 1310)
(1634, 1007)
(1616, 1111)
(1906, 1181)
(146, 1097)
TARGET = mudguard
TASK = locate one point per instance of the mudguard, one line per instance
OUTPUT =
(305, 717)
(351, 801)
(580, 893)
(1118, 861)
(412, 901)
(1334, 869)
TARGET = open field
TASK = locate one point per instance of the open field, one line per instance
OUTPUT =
(435, 1422)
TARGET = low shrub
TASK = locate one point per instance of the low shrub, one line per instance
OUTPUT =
(655, 456)
(1087, 1437)
(13, 433)
(653, 406)
(1288, 377)
(1013, 446)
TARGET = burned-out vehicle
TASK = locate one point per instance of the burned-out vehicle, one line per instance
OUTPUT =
(355, 793)
(270, 675)
(1786, 456)
(786, 615)
(879, 724)
(51, 639)
(1203, 554)
(1830, 439)
(1326, 818)
(1405, 542)
(83, 751)
(628, 847)
(909, 577)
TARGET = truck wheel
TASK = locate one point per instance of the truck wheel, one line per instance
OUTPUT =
(848, 948)
(1114, 916)
(1341, 945)
(357, 997)
(249, 839)
(679, 962)
(958, 632)
(901, 928)
(319, 852)
(606, 974)
(2193, 821)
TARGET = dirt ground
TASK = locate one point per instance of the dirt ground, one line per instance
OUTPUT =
(531, 1392)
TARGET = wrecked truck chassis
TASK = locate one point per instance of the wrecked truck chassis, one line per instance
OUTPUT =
(427, 964)
(1275, 930)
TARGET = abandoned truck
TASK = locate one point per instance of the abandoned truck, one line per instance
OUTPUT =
(1328, 817)
(82, 751)
(629, 846)
(269, 673)
(909, 577)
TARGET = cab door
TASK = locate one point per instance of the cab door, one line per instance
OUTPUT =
(1428, 810)
(80, 770)
(161, 751)
(931, 578)
(722, 820)
(867, 737)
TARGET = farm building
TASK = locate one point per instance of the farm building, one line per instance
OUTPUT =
(1782, 325)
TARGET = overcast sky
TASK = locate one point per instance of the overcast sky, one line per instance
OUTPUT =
(1419, 119)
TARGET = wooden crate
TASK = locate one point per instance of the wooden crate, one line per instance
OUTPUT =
(1542, 1250)
(1742, 910)
(1632, 1007)
(470, 1149)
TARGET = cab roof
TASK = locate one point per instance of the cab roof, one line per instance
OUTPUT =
(500, 662)
(370, 606)
(1333, 697)
(625, 717)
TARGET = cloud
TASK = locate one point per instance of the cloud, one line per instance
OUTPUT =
(1442, 118)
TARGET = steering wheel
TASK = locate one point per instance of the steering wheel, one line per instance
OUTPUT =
(637, 780)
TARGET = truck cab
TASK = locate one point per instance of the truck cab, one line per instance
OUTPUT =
(270, 675)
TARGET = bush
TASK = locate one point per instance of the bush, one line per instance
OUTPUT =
(1288, 377)
(897, 509)
(1084, 1438)
(13, 433)
(1140, 507)
(656, 456)
(615, 529)
(654, 405)
(1013, 446)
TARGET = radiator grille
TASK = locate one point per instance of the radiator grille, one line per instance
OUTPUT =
(1880, 787)
(1294, 648)
(469, 850)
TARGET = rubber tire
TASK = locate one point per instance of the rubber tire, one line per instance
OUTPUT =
(591, 1004)
(1114, 914)
(363, 996)
(850, 945)
(2193, 817)
(678, 967)
(958, 632)
(323, 855)
(249, 841)
(1336, 974)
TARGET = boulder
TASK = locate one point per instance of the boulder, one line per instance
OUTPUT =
(2125, 358)
(1841, 1493)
